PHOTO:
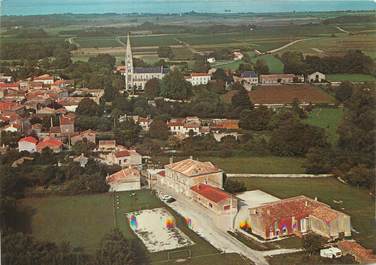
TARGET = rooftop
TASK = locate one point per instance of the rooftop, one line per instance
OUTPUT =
(123, 175)
(29, 139)
(191, 168)
(211, 193)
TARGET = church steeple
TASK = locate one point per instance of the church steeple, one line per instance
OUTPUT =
(128, 66)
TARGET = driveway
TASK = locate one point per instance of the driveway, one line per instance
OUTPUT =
(204, 223)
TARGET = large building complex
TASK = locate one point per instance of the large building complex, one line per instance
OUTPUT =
(137, 77)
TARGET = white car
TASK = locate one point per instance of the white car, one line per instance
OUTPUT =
(166, 197)
(331, 253)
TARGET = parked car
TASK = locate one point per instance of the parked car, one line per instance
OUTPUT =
(331, 253)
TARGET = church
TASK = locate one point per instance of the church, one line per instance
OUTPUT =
(137, 77)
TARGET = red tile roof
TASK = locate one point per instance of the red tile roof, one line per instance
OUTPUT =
(125, 175)
(325, 213)
(362, 254)
(122, 153)
(192, 168)
(65, 120)
(11, 106)
(49, 142)
(29, 139)
(211, 193)
(199, 74)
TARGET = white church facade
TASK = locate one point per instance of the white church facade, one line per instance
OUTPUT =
(137, 77)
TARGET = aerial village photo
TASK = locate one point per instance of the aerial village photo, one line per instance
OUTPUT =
(195, 132)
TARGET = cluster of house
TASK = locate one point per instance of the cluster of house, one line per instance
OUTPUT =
(202, 182)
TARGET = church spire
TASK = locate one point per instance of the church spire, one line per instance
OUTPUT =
(128, 65)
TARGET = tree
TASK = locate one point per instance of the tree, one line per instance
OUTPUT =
(312, 243)
(159, 130)
(62, 58)
(241, 101)
(87, 106)
(174, 86)
(103, 60)
(219, 74)
(116, 250)
(233, 186)
(110, 93)
(257, 119)
(344, 91)
(152, 88)
(319, 160)
(165, 52)
(261, 67)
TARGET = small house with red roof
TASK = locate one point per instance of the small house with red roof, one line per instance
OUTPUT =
(28, 144)
(215, 199)
(88, 135)
(66, 124)
(46, 79)
(126, 179)
(298, 215)
(126, 158)
(360, 253)
(54, 144)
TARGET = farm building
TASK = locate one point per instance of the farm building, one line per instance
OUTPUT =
(28, 144)
(215, 199)
(277, 79)
(183, 175)
(106, 145)
(125, 179)
(298, 215)
(316, 77)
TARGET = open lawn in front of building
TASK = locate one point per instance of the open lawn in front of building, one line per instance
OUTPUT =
(83, 220)
(250, 164)
(350, 77)
(328, 119)
(342, 197)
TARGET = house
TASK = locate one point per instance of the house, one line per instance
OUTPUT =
(126, 157)
(106, 145)
(185, 126)
(316, 77)
(197, 79)
(54, 144)
(126, 179)
(28, 144)
(361, 254)
(89, 135)
(81, 159)
(66, 124)
(211, 60)
(298, 215)
(182, 175)
(215, 199)
(237, 55)
(277, 79)
(247, 79)
(46, 79)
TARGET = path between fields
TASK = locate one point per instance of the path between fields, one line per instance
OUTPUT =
(189, 47)
(287, 45)
(203, 224)
(342, 30)
(72, 41)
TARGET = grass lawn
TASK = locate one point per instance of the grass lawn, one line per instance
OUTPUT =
(328, 119)
(275, 65)
(356, 202)
(251, 164)
(84, 220)
(229, 65)
(350, 77)
(302, 258)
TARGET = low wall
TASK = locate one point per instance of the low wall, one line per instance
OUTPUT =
(278, 175)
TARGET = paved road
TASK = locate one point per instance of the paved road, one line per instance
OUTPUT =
(286, 45)
(230, 175)
(202, 223)
(342, 30)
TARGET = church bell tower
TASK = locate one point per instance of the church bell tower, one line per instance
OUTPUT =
(128, 66)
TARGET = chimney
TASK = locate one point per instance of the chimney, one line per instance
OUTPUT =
(171, 159)
(268, 211)
(306, 203)
(315, 198)
(191, 157)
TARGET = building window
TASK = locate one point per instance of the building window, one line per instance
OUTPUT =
(226, 207)
(210, 205)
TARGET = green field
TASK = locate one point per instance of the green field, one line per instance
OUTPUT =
(275, 65)
(84, 220)
(328, 119)
(230, 65)
(350, 77)
(251, 164)
(356, 202)
(97, 42)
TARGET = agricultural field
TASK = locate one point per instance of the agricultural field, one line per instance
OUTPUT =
(350, 77)
(275, 65)
(230, 65)
(328, 119)
(355, 202)
(84, 220)
(97, 42)
(251, 164)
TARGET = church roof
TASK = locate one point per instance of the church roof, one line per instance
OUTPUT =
(150, 70)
